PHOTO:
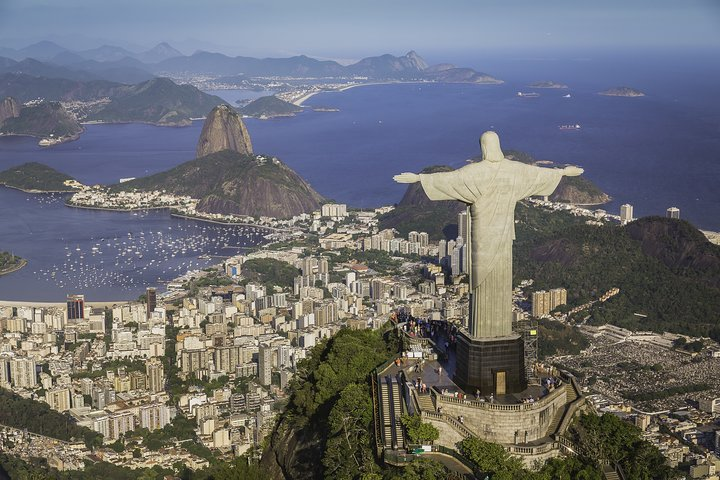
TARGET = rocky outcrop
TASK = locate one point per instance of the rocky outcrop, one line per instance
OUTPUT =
(224, 130)
(579, 191)
(9, 108)
(228, 182)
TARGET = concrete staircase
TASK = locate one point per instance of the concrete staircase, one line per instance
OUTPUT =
(609, 473)
(425, 402)
(560, 414)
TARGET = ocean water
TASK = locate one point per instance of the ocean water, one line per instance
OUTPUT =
(653, 152)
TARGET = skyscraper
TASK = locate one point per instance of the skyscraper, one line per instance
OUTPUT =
(155, 375)
(541, 301)
(626, 214)
(75, 307)
(151, 295)
(673, 212)
(462, 220)
(265, 365)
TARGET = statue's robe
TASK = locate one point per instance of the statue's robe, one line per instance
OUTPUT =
(491, 190)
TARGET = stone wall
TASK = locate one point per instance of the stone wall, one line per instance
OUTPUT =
(506, 424)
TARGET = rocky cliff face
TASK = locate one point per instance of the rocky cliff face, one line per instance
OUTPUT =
(579, 191)
(9, 108)
(224, 130)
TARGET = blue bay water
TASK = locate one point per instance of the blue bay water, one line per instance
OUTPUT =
(654, 152)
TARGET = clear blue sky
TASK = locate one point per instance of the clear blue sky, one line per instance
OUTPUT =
(352, 29)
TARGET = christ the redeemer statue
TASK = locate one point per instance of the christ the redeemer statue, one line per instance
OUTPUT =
(490, 188)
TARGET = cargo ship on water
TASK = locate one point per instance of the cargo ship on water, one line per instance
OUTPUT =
(528, 94)
(575, 126)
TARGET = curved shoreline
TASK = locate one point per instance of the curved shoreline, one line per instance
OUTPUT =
(36, 192)
(108, 209)
(176, 215)
(14, 268)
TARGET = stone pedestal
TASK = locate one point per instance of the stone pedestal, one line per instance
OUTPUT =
(490, 364)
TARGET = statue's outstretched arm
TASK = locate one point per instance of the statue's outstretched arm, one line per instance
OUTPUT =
(572, 171)
(407, 177)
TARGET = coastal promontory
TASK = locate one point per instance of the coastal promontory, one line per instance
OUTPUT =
(47, 120)
(35, 178)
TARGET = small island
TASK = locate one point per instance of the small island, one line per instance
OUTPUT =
(37, 178)
(547, 84)
(622, 92)
(269, 107)
(10, 263)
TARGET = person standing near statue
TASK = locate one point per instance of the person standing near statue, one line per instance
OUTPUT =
(490, 189)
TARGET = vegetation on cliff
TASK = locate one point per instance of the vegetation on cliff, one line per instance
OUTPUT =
(671, 277)
(230, 183)
(38, 417)
(327, 429)
(270, 106)
(35, 177)
(44, 119)
(270, 272)
(597, 439)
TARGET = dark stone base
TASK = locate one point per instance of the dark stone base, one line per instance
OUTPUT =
(480, 364)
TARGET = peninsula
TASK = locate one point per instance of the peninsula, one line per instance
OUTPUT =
(10, 263)
(35, 177)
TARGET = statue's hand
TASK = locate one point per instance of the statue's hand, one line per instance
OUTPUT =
(407, 177)
(572, 171)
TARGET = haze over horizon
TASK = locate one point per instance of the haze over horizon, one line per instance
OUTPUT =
(334, 30)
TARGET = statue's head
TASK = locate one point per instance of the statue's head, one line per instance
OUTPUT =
(490, 146)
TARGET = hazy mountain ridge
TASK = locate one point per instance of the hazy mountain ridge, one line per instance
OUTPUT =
(158, 101)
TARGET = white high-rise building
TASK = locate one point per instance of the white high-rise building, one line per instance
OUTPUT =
(22, 372)
(673, 212)
(155, 375)
(626, 214)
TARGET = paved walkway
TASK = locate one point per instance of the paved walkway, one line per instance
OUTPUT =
(449, 461)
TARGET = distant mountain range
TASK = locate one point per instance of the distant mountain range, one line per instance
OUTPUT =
(121, 65)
